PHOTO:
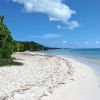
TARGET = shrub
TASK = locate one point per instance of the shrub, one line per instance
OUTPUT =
(6, 40)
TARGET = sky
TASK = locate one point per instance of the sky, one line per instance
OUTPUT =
(54, 23)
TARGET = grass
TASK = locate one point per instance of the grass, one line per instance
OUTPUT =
(8, 62)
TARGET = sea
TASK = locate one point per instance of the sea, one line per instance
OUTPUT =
(89, 56)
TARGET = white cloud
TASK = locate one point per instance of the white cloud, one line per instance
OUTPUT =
(46, 36)
(50, 36)
(97, 42)
(36, 36)
(64, 42)
(59, 27)
(86, 42)
(73, 24)
(56, 10)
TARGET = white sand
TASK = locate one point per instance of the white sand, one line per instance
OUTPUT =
(45, 77)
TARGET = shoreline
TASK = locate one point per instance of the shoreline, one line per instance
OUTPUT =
(95, 66)
(94, 63)
(48, 77)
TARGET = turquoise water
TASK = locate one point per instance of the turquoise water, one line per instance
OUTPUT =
(87, 56)
(80, 53)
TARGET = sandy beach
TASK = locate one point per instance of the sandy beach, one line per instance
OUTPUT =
(48, 77)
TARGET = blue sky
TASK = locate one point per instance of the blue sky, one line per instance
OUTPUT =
(58, 23)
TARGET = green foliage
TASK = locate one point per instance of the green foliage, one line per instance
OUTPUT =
(8, 45)
(1, 19)
(6, 40)
(20, 46)
(32, 46)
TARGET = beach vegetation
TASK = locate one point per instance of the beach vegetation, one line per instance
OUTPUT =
(8, 45)
(9, 62)
(6, 40)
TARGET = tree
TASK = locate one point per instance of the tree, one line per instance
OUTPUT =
(1, 19)
(8, 45)
(6, 40)
(18, 47)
